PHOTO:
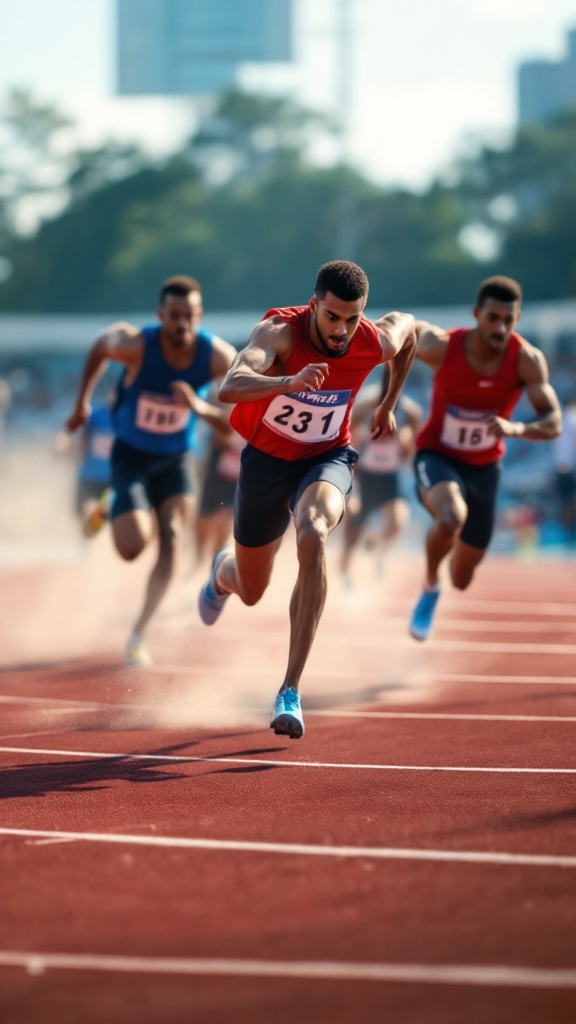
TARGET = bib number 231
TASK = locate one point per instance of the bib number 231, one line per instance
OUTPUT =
(308, 417)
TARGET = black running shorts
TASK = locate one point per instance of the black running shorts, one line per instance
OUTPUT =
(479, 486)
(269, 489)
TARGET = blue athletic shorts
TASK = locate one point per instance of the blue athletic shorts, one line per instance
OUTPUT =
(479, 486)
(142, 480)
(269, 489)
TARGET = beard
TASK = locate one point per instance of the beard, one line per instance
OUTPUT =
(324, 347)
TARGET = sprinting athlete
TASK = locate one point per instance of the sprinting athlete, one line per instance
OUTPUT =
(479, 375)
(154, 420)
(293, 386)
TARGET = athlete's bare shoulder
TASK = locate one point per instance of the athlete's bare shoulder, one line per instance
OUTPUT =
(272, 335)
(432, 343)
(223, 355)
(532, 363)
(122, 341)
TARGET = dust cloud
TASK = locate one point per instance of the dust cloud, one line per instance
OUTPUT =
(74, 602)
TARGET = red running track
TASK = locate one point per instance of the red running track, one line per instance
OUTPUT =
(165, 857)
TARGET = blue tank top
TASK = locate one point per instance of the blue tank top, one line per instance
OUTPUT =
(145, 414)
(99, 437)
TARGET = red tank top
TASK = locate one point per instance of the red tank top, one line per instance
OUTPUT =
(302, 424)
(463, 398)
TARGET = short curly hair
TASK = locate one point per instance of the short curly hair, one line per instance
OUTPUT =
(345, 280)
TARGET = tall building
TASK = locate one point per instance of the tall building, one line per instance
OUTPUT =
(195, 47)
(546, 88)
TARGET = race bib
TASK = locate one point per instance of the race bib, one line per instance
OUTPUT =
(308, 416)
(466, 430)
(381, 456)
(158, 414)
(101, 445)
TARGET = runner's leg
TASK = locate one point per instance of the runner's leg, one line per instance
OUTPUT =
(173, 514)
(317, 513)
(132, 531)
(445, 503)
(463, 563)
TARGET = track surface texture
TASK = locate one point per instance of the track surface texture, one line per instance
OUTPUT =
(166, 858)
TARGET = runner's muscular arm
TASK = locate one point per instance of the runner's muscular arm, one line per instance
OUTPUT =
(269, 346)
(121, 342)
(215, 414)
(398, 338)
(432, 342)
(533, 372)
(223, 355)
(211, 411)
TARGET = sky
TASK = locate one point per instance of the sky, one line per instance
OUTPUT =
(425, 82)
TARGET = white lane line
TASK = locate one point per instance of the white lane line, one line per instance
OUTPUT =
(469, 604)
(279, 763)
(381, 639)
(81, 705)
(56, 841)
(74, 705)
(443, 717)
(468, 677)
(490, 975)
(304, 849)
(418, 676)
(489, 626)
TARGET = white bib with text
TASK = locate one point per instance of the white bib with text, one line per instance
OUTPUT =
(381, 456)
(466, 430)
(308, 416)
(100, 445)
(159, 414)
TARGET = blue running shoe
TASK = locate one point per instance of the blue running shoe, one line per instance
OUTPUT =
(211, 601)
(287, 715)
(423, 615)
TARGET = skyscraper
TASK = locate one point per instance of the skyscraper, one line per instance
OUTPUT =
(194, 47)
(545, 87)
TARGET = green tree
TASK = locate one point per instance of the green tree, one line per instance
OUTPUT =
(526, 196)
(256, 234)
(247, 135)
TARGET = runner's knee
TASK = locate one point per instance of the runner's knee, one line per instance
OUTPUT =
(250, 593)
(129, 550)
(311, 537)
(461, 578)
(447, 527)
(451, 518)
(463, 566)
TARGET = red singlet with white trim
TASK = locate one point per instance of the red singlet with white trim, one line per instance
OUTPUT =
(305, 423)
(462, 398)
